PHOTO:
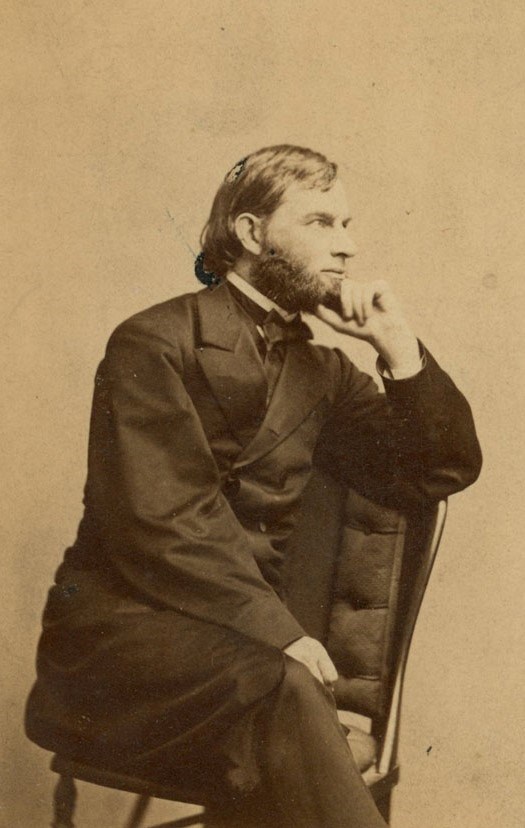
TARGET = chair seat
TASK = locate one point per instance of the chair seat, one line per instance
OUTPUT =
(362, 745)
(119, 781)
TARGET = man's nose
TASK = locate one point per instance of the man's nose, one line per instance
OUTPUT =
(343, 244)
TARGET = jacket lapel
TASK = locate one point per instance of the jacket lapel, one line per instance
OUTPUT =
(302, 384)
(229, 358)
(235, 373)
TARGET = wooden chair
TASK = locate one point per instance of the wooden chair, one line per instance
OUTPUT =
(355, 577)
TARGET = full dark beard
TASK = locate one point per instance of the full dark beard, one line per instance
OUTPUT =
(291, 286)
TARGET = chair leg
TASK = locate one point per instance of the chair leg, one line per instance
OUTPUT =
(137, 814)
(64, 801)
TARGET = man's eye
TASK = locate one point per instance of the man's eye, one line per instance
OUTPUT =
(320, 222)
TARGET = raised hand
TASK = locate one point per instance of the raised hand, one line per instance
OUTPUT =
(372, 312)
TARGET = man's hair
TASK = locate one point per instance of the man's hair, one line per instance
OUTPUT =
(256, 185)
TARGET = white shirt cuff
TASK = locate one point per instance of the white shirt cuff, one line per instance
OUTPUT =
(402, 371)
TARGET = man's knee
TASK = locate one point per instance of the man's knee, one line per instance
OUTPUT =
(303, 715)
(301, 692)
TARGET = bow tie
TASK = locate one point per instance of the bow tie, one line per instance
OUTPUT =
(276, 329)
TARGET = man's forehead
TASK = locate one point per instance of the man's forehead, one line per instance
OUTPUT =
(301, 199)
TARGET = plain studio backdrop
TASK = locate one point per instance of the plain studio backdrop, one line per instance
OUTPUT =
(120, 120)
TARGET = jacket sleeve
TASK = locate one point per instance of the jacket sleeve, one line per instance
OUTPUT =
(154, 490)
(416, 443)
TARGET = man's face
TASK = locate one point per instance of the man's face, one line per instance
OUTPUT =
(306, 246)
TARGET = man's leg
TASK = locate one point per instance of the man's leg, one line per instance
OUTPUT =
(309, 777)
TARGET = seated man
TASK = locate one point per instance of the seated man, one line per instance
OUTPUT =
(167, 651)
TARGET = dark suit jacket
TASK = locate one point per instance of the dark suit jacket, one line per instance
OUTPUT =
(193, 486)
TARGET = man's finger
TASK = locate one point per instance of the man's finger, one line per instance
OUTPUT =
(333, 319)
(359, 311)
(350, 300)
(369, 294)
(327, 668)
(315, 671)
(383, 297)
(330, 317)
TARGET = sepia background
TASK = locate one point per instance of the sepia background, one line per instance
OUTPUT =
(119, 121)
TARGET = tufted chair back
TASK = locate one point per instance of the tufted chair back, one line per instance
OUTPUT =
(350, 570)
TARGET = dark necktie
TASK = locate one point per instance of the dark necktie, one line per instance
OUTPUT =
(276, 329)
(277, 334)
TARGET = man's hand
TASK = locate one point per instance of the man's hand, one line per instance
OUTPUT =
(372, 312)
(313, 655)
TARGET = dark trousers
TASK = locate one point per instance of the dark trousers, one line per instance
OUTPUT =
(308, 778)
(218, 715)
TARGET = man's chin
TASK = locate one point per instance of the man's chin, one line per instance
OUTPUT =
(310, 302)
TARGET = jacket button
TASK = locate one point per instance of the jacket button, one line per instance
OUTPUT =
(231, 485)
(262, 526)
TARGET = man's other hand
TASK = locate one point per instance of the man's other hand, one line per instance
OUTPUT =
(313, 655)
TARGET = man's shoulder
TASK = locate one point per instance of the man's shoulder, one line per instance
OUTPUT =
(167, 320)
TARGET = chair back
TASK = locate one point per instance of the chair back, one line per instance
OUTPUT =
(355, 576)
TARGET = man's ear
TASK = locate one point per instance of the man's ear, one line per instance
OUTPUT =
(248, 229)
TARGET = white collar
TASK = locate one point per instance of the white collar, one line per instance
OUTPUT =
(256, 296)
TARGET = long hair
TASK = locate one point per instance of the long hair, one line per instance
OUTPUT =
(256, 185)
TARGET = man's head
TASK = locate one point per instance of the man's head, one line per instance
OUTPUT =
(280, 220)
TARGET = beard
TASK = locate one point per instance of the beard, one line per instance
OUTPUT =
(292, 286)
